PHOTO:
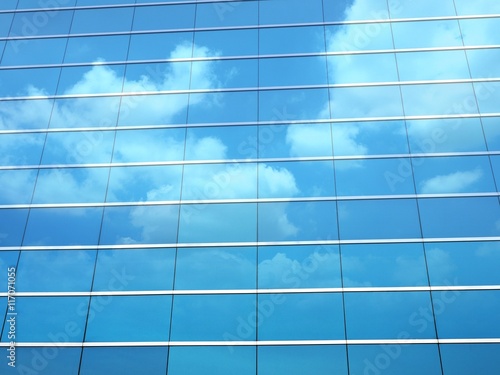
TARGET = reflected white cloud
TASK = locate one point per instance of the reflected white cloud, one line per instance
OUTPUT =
(453, 182)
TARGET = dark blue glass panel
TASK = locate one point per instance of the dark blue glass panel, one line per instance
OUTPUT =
(383, 265)
(220, 14)
(46, 361)
(215, 268)
(33, 4)
(35, 51)
(63, 226)
(463, 263)
(292, 40)
(41, 23)
(285, 221)
(96, 48)
(16, 186)
(117, 318)
(141, 269)
(21, 149)
(394, 359)
(54, 271)
(299, 267)
(218, 223)
(299, 360)
(49, 319)
(465, 359)
(29, 82)
(227, 42)
(340, 10)
(290, 11)
(467, 314)
(9, 4)
(492, 132)
(162, 46)
(163, 17)
(224, 317)
(362, 68)
(125, 361)
(388, 218)
(12, 224)
(459, 217)
(139, 224)
(101, 2)
(320, 315)
(292, 71)
(102, 20)
(392, 315)
(211, 360)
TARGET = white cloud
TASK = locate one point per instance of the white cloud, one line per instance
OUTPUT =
(454, 182)
(276, 182)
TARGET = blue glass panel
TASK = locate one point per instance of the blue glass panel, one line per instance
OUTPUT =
(140, 184)
(285, 221)
(426, 34)
(299, 360)
(292, 71)
(223, 317)
(164, 17)
(482, 62)
(218, 223)
(28, 82)
(479, 31)
(362, 68)
(159, 77)
(464, 359)
(102, 20)
(12, 224)
(467, 314)
(465, 7)
(492, 132)
(372, 177)
(218, 143)
(96, 48)
(422, 8)
(362, 37)
(125, 361)
(101, 2)
(35, 51)
(291, 179)
(85, 112)
(463, 263)
(46, 361)
(372, 138)
(367, 219)
(8, 259)
(149, 145)
(292, 40)
(452, 135)
(340, 10)
(394, 359)
(392, 315)
(78, 147)
(116, 318)
(41, 23)
(25, 114)
(49, 271)
(49, 319)
(488, 95)
(211, 359)
(141, 269)
(161, 46)
(9, 4)
(72, 185)
(383, 265)
(290, 11)
(16, 186)
(432, 65)
(227, 42)
(31, 4)
(140, 224)
(224, 74)
(320, 315)
(63, 226)
(215, 268)
(299, 267)
(21, 149)
(459, 217)
(236, 13)
(95, 80)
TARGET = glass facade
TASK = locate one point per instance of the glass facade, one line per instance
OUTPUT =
(256, 187)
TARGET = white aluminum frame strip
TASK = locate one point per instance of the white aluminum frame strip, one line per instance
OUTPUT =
(179, 292)
(253, 343)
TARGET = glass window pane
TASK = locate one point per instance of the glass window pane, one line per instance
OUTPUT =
(63, 226)
(393, 315)
(102, 20)
(320, 315)
(426, 34)
(41, 23)
(25, 114)
(422, 8)
(372, 177)
(299, 267)
(34, 51)
(95, 80)
(227, 42)
(8, 4)
(8, 259)
(96, 48)
(46, 361)
(224, 316)
(138, 269)
(459, 217)
(50, 319)
(492, 132)
(299, 360)
(463, 263)
(161, 46)
(28, 82)
(21, 149)
(394, 359)
(210, 223)
(140, 224)
(85, 112)
(215, 268)
(144, 184)
(480, 31)
(467, 314)
(158, 77)
(305, 39)
(212, 359)
(340, 10)
(53, 271)
(362, 68)
(371, 219)
(30, 4)
(363, 37)
(292, 71)
(285, 221)
(290, 11)
(236, 13)
(383, 265)
(114, 318)
(463, 359)
(12, 224)
(16, 186)
(482, 63)
(465, 7)
(162, 17)
(103, 361)
(430, 65)
(488, 96)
